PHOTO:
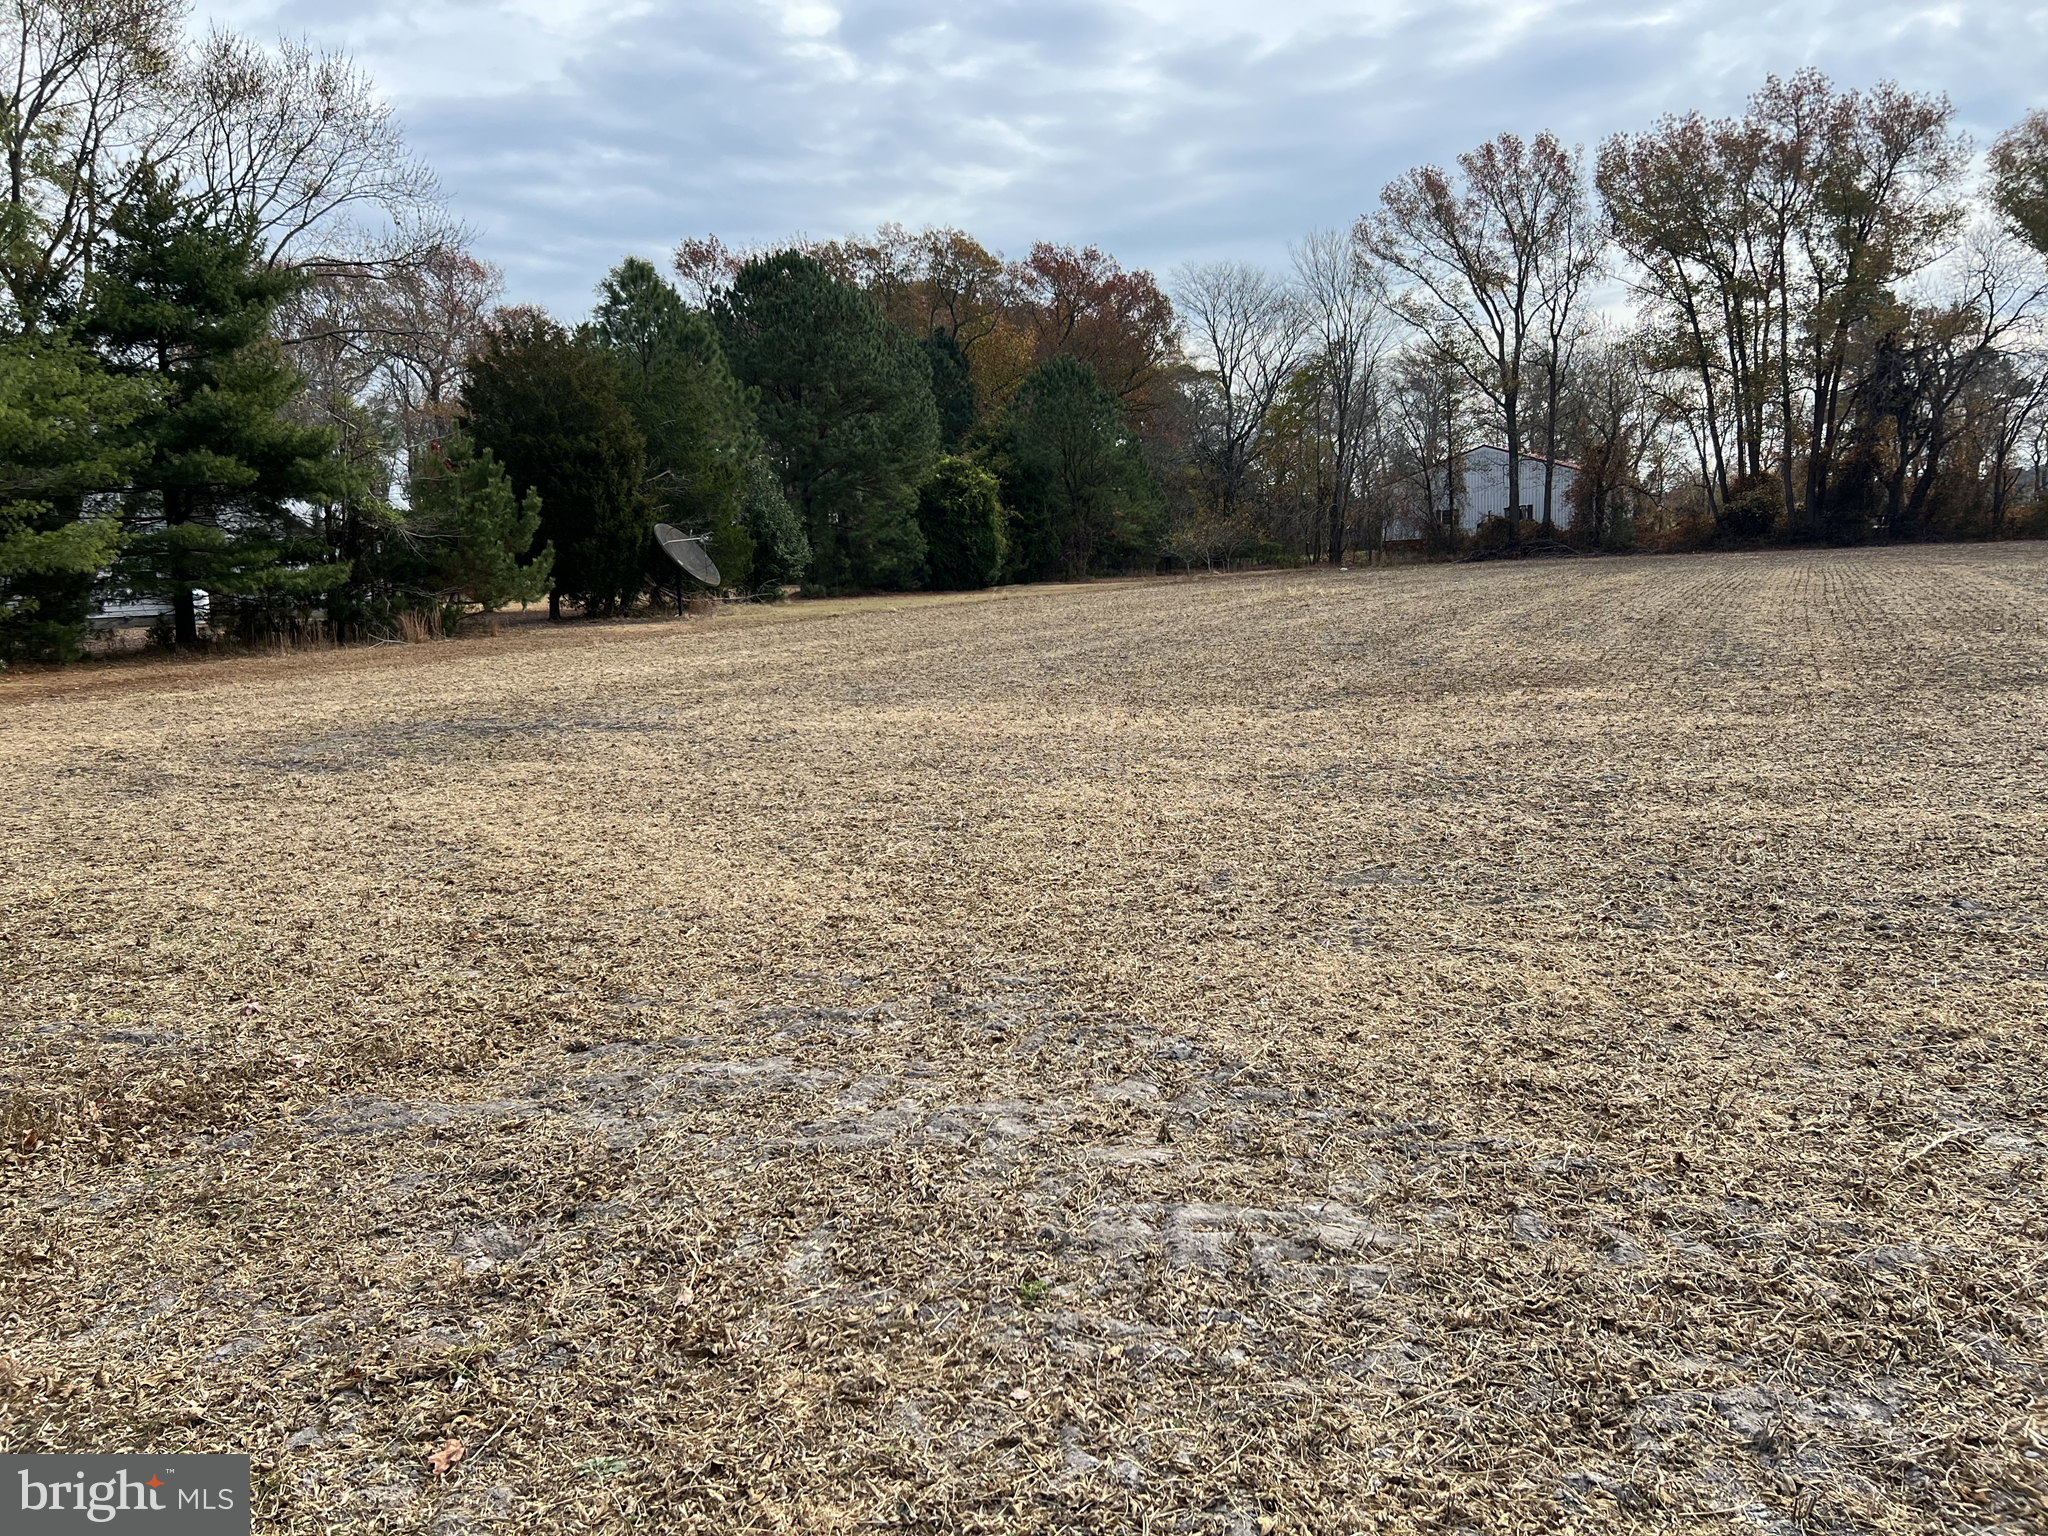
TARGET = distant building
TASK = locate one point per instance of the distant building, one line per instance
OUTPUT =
(1484, 493)
(139, 613)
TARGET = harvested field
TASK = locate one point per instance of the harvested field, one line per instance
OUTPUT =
(1442, 1049)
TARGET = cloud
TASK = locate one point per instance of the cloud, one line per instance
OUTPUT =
(569, 132)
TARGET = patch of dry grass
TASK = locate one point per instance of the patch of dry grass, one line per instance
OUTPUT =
(1434, 1049)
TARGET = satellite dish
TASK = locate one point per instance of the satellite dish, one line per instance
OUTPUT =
(688, 551)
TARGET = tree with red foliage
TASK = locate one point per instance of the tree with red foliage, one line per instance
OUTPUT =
(1085, 304)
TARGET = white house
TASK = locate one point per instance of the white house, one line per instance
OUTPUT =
(140, 612)
(1485, 491)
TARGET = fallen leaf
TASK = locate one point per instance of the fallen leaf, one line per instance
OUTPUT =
(445, 1458)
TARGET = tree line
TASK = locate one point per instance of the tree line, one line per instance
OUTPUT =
(1812, 321)
(247, 359)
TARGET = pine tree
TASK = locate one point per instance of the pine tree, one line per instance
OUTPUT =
(61, 414)
(960, 509)
(692, 412)
(1075, 476)
(183, 301)
(465, 532)
(952, 388)
(550, 408)
(844, 400)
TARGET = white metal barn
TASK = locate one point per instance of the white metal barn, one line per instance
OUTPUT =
(1485, 492)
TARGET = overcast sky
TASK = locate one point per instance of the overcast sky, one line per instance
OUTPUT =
(570, 132)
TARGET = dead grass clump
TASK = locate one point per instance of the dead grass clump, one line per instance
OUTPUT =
(416, 626)
(315, 635)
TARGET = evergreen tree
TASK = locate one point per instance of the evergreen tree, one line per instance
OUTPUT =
(551, 409)
(952, 388)
(781, 551)
(693, 414)
(465, 533)
(845, 402)
(183, 301)
(61, 415)
(960, 509)
(1075, 476)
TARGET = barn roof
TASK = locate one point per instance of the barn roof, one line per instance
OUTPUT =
(1527, 457)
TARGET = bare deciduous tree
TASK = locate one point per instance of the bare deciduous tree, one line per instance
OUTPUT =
(1691, 204)
(83, 86)
(1570, 259)
(2015, 407)
(1247, 332)
(1886, 198)
(1344, 311)
(1477, 254)
(2019, 169)
(396, 338)
(1615, 433)
(1765, 248)
(1433, 411)
(1925, 365)
(298, 144)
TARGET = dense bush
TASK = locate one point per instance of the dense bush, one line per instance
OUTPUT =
(1752, 511)
(781, 551)
(960, 509)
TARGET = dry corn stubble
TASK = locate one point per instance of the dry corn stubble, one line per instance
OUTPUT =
(1432, 1049)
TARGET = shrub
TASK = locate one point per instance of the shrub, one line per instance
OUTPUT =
(961, 512)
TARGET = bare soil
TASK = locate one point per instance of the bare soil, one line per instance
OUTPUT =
(1486, 1048)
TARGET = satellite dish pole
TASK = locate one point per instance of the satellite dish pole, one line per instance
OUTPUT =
(692, 555)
